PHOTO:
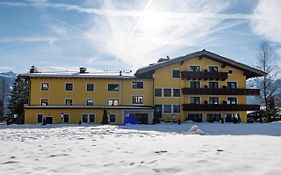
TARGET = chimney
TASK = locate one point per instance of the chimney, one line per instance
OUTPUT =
(33, 69)
(83, 70)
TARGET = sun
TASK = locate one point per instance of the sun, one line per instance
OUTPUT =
(152, 22)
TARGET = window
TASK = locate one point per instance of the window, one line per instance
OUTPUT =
(137, 85)
(137, 99)
(194, 100)
(213, 84)
(112, 118)
(65, 118)
(68, 102)
(176, 108)
(113, 102)
(231, 100)
(232, 85)
(113, 87)
(213, 100)
(44, 102)
(90, 87)
(45, 86)
(194, 84)
(230, 71)
(92, 118)
(176, 92)
(195, 117)
(176, 74)
(68, 87)
(213, 69)
(158, 92)
(194, 68)
(90, 102)
(213, 117)
(39, 118)
(167, 108)
(88, 118)
(167, 92)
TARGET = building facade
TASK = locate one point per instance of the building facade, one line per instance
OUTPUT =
(202, 86)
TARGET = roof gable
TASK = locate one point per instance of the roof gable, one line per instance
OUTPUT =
(249, 71)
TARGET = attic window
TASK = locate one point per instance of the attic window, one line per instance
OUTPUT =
(230, 71)
(176, 73)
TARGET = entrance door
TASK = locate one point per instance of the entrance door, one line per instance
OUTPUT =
(142, 118)
(49, 120)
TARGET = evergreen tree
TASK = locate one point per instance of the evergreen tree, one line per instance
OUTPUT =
(104, 118)
(18, 98)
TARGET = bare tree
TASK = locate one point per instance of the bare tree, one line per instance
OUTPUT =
(267, 84)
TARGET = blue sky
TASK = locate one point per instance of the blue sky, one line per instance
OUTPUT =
(121, 34)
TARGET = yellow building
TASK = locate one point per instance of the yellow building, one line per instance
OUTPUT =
(201, 86)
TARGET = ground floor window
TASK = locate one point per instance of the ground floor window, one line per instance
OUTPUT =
(176, 108)
(39, 118)
(232, 118)
(167, 108)
(88, 118)
(112, 118)
(195, 117)
(213, 117)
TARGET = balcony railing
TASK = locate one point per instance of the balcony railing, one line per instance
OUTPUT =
(220, 107)
(189, 75)
(219, 91)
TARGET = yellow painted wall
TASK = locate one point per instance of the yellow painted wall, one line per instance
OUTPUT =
(56, 93)
(75, 115)
(163, 79)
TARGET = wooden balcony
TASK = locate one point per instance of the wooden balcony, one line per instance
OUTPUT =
(190, 75)
(220, 107)
(219, 91)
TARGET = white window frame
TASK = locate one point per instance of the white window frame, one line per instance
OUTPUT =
(44, 99)
(87, 86)
(68, 99)
(213, 97)
(193, 97)
(41, 83)
(213, 66)
(162, 93)
(65, 87)
(232, 97)
(137, 96)
(68, 118)
(113, 91)
(189, 67)
(163, 107)
(138, 88)
(115, 118)
(173, 74)
(37, 117)
(88, 118)
(113, 101)
(173, 93)
(89, 99)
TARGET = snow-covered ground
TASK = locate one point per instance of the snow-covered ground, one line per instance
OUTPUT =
(141, 149)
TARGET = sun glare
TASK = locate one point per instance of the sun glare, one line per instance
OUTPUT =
(152, 22)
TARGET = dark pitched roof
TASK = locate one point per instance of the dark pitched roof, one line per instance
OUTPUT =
(251, 72)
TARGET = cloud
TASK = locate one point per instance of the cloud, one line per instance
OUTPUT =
(155, 34)
(266, 20)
